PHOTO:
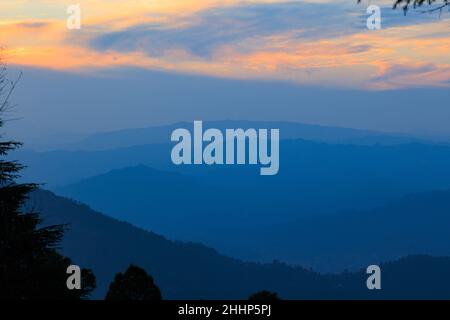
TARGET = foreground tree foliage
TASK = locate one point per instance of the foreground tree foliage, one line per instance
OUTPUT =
(134, 284)
(264, 295)
(30, 266)
(408, 4)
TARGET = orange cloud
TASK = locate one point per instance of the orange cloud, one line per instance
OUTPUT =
(358, 58)
(370, 58)
(29, 33)
(77, 58)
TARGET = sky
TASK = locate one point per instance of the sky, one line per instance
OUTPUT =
(309, 44)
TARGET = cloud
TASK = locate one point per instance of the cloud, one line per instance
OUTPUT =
(30, 33)
(396, 70)
(315, 42)
(207, 30)
(203, 32)
(412, 75)
(33, 25)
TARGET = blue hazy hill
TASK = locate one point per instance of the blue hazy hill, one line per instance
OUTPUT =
(313, 178)
(289, 130)
(266, 224)
(346, 176)
(192, 271)
(417, 223)
(140, 185)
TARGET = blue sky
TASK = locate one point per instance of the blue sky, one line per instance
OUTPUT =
(139, 63)
(55, 106)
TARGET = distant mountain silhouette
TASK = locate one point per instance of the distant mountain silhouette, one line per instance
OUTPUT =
(261, 224)
(417, 223)
(314, 177)
(412, 277)
(192, 271)
(289, 130)
(181, 270)
(149, 198)
(207, 204)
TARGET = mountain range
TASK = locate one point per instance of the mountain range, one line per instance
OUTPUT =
(192, 271)
(290, 130)
(351, 203)
(182, 207)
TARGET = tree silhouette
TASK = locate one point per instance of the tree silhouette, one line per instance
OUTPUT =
(407, 4)
(30, 266)
(264, 295)
(134, 284)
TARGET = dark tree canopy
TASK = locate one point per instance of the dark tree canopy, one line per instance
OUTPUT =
(134, 284)
(408, 4)
(264, 295)
(30, 265)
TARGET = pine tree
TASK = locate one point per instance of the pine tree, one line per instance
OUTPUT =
(30, 265)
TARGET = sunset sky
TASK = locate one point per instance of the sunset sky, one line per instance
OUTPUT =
(309, 42)
(146, 62)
